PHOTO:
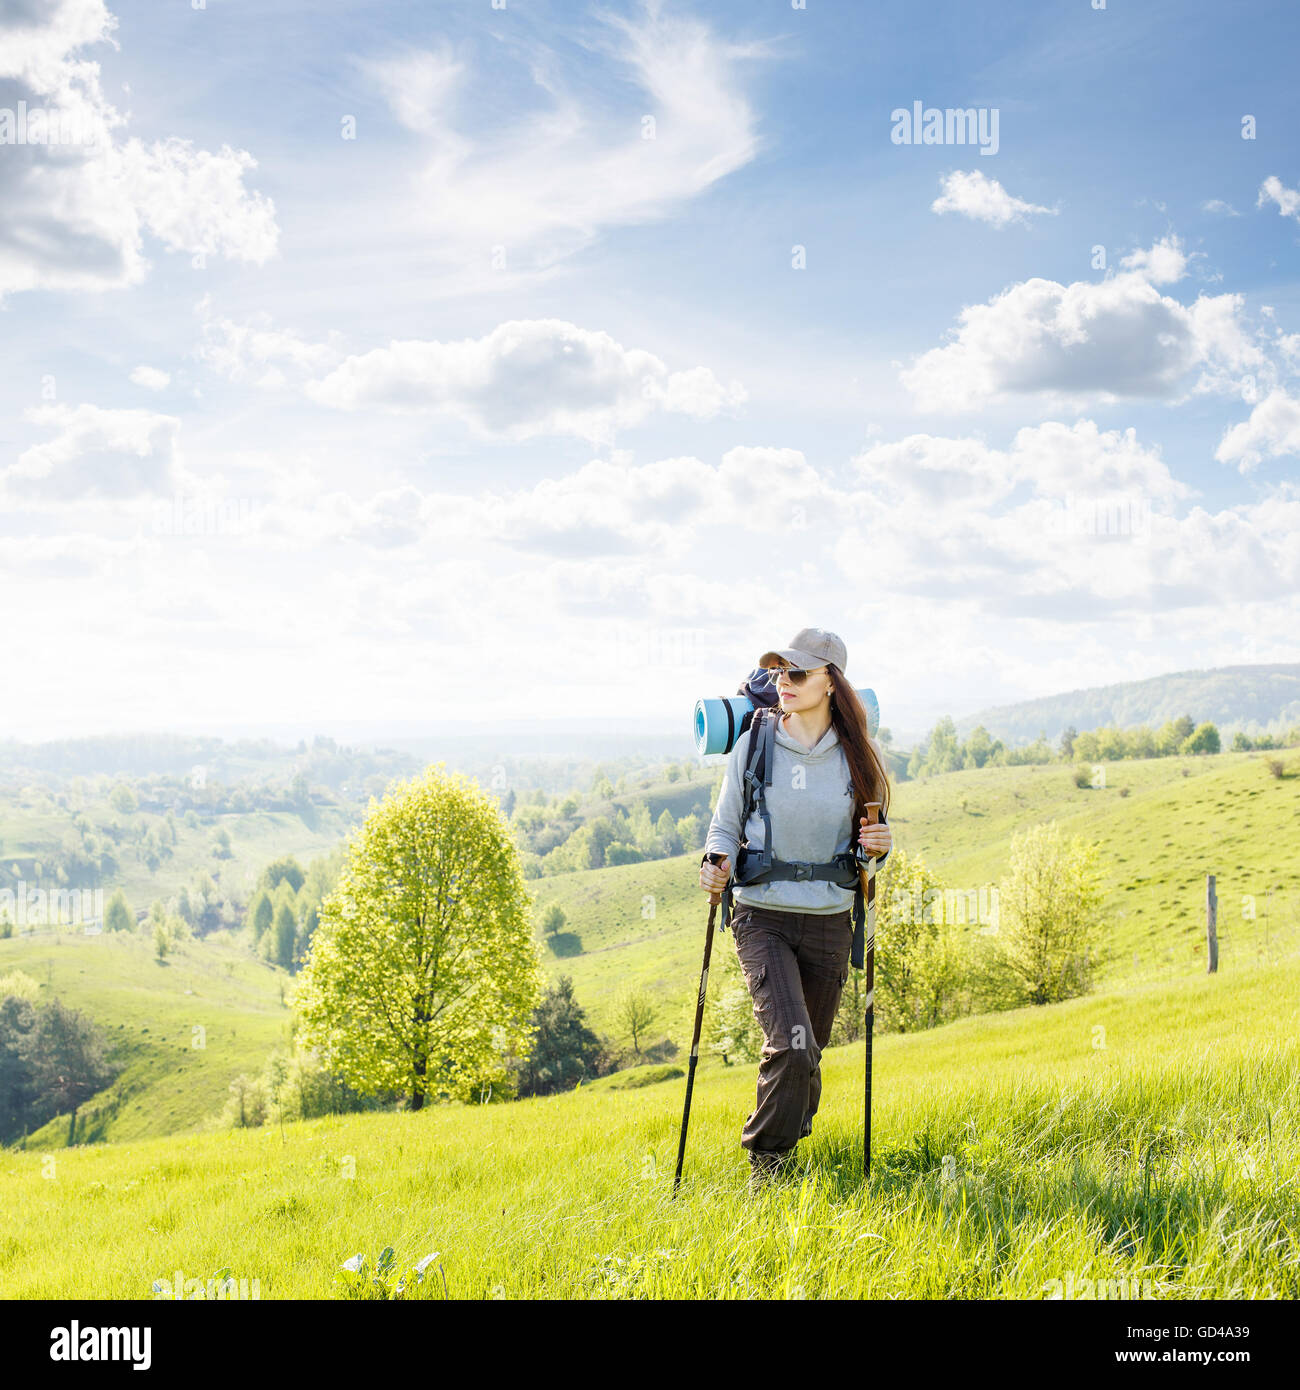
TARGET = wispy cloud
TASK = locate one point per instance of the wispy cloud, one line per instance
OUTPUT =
(529, 190)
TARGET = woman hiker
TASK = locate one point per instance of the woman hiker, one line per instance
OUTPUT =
(793, 935)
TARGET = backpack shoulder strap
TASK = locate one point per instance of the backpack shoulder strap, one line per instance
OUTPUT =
(758, 774)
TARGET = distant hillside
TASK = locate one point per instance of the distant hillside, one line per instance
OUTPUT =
(182, 1029)
(1254, 699)
(550, 760)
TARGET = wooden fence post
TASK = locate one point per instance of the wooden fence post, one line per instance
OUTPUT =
(1211, 924)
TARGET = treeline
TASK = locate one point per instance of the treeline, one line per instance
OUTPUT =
(284, 910)
(52, 1059)
(944, 751)
(168, 762)
(593, 829)
(296, 1085)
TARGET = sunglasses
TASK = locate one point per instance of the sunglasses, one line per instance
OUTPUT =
(792, 674)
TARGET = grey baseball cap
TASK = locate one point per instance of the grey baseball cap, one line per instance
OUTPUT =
(810, 647)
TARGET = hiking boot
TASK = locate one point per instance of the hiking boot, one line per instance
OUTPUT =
(765, 1166)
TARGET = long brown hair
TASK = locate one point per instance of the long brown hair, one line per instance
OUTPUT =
(849, 718)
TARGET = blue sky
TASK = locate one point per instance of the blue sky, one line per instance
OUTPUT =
(589, 351)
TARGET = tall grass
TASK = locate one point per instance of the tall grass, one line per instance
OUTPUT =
(1147, 1137)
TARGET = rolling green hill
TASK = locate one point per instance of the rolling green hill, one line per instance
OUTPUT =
(1250, 698)
(1147, 1137)
(175, 1077)
(643, 924)
(1182, 818)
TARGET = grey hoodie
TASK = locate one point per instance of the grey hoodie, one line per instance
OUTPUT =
(810, 802)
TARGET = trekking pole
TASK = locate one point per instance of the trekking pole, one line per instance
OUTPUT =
(714, 900)
(868, 874)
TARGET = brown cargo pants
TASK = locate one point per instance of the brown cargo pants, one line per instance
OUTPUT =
(796, 965)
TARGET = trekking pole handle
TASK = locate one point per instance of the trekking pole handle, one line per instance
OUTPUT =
(873, 818)
(714, 897)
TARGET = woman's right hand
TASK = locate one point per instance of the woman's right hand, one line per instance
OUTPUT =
(713, 877)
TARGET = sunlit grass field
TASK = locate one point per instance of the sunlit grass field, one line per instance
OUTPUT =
(1143, 1138)
(643, 924)
(1183, 818)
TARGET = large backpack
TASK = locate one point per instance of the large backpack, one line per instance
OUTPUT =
(758, 865)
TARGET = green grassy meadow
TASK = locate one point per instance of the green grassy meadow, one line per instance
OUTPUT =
(1147, 1136)
(175, 1078)
(643, 924)
(1144, 1134)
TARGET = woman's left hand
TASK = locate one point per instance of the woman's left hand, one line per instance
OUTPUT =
(877, 840)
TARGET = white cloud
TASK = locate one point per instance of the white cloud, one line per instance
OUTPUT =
(1273, 429)
(1273, 190)
(195, 201)
(77, 206)
(983, 199)
(1088, 341)
(1218, 205)
(936, 550)
(525, 378)
(1161, 264)
(95, 453)
(1012, 534)
(257, 351)
(1070, 524)
(542, 184)
(151, 378)
(1051, 459)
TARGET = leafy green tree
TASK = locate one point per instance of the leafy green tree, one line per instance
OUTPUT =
(248, 1103)
(283, 936)
(918, 954)
(941, 753)
(17, 1083)
(423, 974)
(641, 830)
(261, 913)
(620, 852)
(733, 1030)
(553, 919)
(599, 835)
(979, 747)
(666, 835)
(162, 940)
(282, 870)
(69, 1061)
(565, 1051)
(1049, 915)
(1171, 734)
(118, 915)
(636, 1012)
(1204, 739)
(691, 831)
